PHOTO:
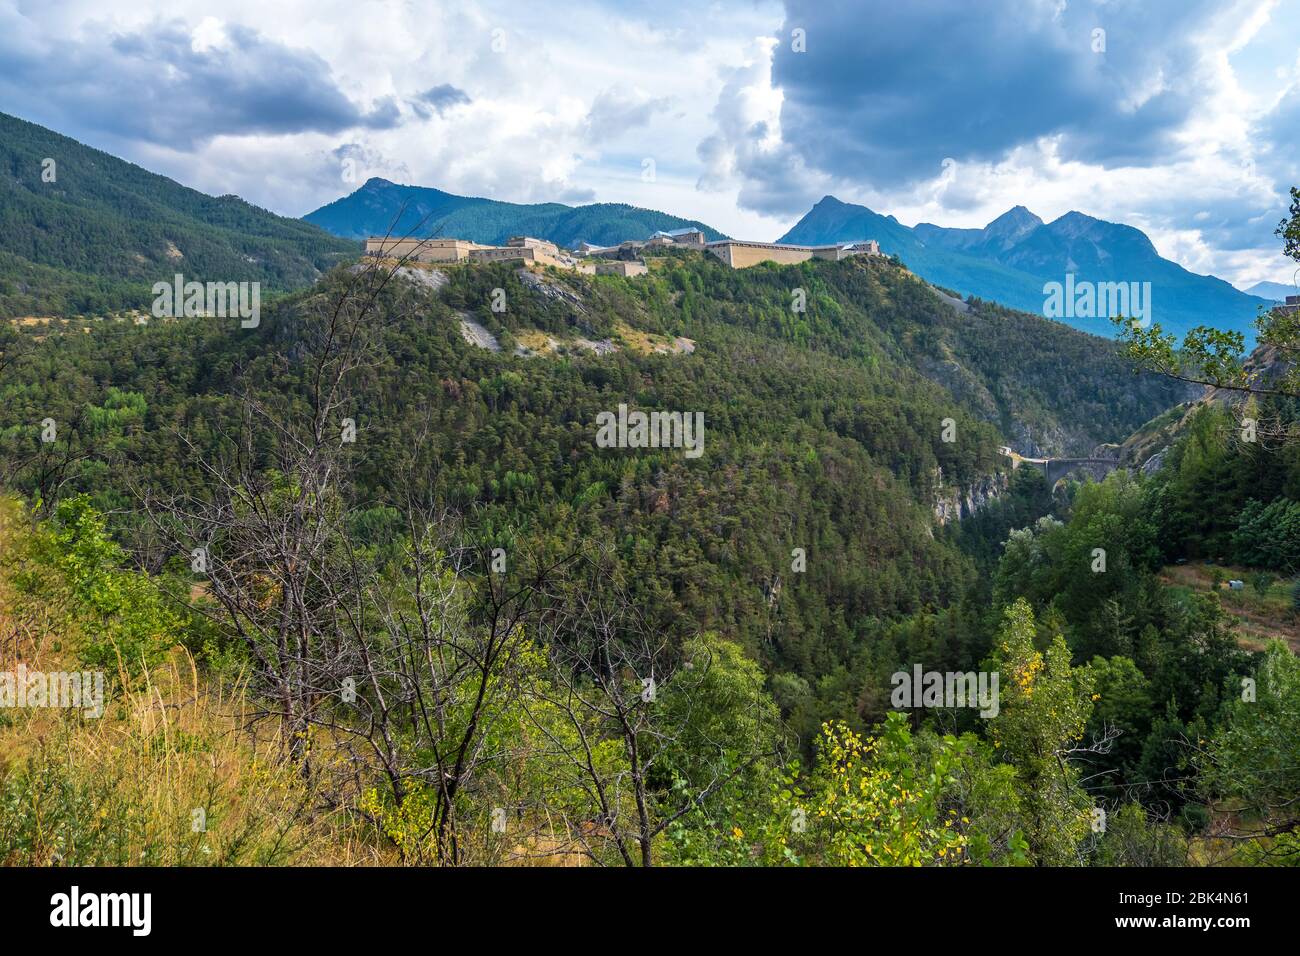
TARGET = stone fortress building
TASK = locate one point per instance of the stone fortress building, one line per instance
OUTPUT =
(737, 253)
(517, 248)
(625, 258)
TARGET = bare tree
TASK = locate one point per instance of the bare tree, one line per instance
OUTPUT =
(404, 662)
(54, 462)
(436, 665)
(266, 527)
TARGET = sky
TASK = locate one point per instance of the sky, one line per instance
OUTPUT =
(1179, 117)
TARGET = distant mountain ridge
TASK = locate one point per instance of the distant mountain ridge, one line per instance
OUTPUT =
(93, 232)
(1273, 291)
(381, 207)
(1011, 258)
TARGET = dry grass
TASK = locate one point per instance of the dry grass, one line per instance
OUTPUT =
(169, 775)
(180, 769)
(536, 341)
(1260, 617)
(648, 343)
(166, 777)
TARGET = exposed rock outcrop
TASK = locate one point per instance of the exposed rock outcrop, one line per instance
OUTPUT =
(476, 334)
(954, 504)
(551, 290)
(1147, 447)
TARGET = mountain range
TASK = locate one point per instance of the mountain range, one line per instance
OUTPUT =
(382, 208)
(862, 436)
(1014, 256)
(1008, 261)
(91, 233)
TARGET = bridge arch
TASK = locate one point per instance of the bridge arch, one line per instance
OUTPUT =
(1058, 468)
(1054, 469)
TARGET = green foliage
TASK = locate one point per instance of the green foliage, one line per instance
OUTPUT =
(1132, 838)
(1123, 706)
(1045, 708)
(1061, 564)
(125, 617)
(1289, 228)
(822, 433)
(1163, 660)
(1211, 356)
(726, 729)
(1231, 501)
(1262, 582)
(1253, 758)
(1268, 535)
(870, 802)
(826, 422)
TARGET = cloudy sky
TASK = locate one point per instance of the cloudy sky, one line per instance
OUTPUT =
(1180, 117)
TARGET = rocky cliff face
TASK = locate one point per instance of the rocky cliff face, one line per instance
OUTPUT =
(1146, 448)
(1031, 429)
(954, 504)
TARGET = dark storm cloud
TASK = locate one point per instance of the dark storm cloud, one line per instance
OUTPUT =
(886, 91)
(154, 85)
(1279, 135)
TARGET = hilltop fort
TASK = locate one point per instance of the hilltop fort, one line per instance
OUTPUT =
(625, 258)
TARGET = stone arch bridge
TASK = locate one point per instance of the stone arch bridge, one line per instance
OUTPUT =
(1057, 468)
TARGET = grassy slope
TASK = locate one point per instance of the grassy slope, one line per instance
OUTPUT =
(1260, 617)
(123, 789)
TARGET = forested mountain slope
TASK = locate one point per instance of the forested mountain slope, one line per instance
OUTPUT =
(382, 208)
(769, 586)
(824, 428)
(83, 232)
